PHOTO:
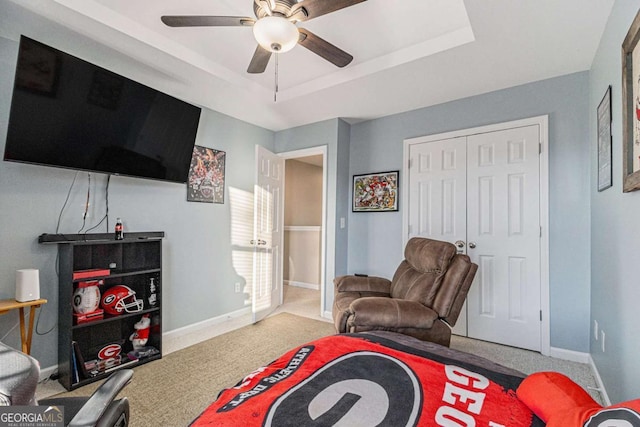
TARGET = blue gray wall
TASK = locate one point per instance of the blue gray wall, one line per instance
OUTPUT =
(593, 245)
(334, 135)
(615, 228)
(199, 272)
(377, 146)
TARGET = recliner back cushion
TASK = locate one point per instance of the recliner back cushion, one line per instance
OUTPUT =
(410, 284)
(429, 256)
(419, 276)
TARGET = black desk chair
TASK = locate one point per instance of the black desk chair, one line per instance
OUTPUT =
(19, 377)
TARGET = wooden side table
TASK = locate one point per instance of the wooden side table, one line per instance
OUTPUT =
(7, 305)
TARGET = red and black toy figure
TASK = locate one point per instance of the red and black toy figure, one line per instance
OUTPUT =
(141, 335)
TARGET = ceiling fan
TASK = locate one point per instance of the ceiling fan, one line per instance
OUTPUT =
(275, 29)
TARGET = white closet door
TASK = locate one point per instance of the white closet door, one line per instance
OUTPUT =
(482, 192)
(438, 196)
(503, 236)
(438, 188)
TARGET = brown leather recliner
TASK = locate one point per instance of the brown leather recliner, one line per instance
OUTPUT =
(423, 300)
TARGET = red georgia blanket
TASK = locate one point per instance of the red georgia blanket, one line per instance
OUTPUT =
(366, 380)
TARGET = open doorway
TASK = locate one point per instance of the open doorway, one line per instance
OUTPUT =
(304, 206)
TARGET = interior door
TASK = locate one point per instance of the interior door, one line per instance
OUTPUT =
(438, 190)
(438, 196)
(503, 236)
(267, 233)
(482, 193)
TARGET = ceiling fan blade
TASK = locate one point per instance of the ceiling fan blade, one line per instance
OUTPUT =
(259, 61)
(323, 48)
(314, 8)
(206, 21)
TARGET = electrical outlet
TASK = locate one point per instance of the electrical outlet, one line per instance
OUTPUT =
(238, 287)
(595, 330)
(602, 335)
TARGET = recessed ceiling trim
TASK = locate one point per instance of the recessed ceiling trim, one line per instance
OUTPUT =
(561, 37)
(129, 27)
(399, 57)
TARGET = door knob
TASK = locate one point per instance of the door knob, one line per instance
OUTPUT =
(260, 242)
(460, 244)
(472, 245)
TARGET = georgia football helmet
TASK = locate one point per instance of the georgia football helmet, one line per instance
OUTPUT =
(86, 299)
(121, 299)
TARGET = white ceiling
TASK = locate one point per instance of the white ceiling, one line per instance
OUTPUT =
(408, 54)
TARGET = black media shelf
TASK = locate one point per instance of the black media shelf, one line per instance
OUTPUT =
(134, 262)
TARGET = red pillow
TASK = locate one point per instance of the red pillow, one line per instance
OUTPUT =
(560, 402)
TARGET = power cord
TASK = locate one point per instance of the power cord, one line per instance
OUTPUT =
(66, 201)
(106, 215)
(86, 204)
(84, 219)
(38, 324)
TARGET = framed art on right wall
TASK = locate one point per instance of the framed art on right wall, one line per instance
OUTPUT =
(631, 108)
(604, 142)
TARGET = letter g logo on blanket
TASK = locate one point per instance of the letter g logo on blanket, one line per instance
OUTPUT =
(386, 393)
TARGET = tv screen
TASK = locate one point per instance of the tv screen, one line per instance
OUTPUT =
(68, 113)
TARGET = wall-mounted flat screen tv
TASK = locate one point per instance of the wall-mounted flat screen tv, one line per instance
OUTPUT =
(69, 113)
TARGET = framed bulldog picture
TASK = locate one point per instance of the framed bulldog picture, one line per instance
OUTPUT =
(206, 175)
(375, 192)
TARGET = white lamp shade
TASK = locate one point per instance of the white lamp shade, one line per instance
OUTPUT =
(276, 34)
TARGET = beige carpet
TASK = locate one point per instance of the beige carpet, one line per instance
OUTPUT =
(172, 391)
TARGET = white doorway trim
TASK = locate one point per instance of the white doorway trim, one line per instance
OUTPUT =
(313, 151)
(543, 123)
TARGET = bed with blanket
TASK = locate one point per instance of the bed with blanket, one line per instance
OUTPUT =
(387, 379)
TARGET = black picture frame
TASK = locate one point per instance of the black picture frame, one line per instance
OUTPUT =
(375, 192)
(206, 175)
(605, 175)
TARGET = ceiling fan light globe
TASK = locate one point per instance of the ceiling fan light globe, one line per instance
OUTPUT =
(276, 34)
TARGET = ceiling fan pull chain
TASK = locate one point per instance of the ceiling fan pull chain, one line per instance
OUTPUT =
(275, 92)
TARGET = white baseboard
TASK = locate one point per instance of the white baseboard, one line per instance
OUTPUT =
(576, 356)
(186, 336)
(570, 355)
(328, 315)
(302, 285)
(601, 389)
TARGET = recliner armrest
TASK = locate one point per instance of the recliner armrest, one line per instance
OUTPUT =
(381, 312)
(350, 283)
